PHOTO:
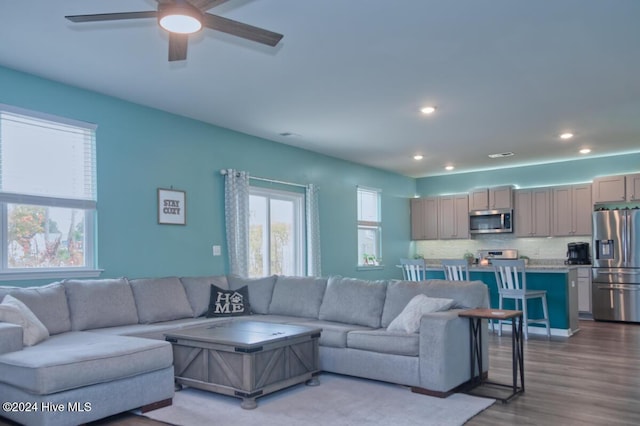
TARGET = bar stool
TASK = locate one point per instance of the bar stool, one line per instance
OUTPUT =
(413, 269)
(512, 284)
(456, 269)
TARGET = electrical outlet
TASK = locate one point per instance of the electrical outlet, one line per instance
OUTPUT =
(217, 250)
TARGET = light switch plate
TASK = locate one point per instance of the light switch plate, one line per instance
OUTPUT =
(217, 250)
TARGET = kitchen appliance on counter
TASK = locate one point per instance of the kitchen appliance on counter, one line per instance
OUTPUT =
(490, 221)
(578, 254)
(485, 256)
(615, 285)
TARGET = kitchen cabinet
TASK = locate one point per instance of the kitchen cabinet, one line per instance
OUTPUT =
(571, 211)
(424, 218)
(616, 189)
(454, 217)
(533, 212)
(633, 187)
(499, 197)
(584, 289)
(607, 189)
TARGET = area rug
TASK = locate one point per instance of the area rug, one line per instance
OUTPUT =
(337, 401)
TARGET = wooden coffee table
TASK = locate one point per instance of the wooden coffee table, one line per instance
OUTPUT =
(245, 359)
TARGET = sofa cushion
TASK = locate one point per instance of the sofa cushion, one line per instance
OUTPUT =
(14, 311)
(160, 299)
(466, 294)
(260, 291)
(387, 342)
(100, 303)
(333, 334)
(80, 358)
(229, 303)
(353, 301)
(409, 319)
(298, 296)
(198, 291)
(48, 303)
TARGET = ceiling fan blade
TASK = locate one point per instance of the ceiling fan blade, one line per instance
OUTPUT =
(205, 5)
(178, 46)
(239, 29)
(111, 16)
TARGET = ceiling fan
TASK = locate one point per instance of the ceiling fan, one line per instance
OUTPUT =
(183, 17)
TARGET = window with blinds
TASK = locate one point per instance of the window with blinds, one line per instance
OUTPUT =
(47, 193)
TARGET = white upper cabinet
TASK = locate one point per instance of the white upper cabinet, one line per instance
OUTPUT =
(424, 218)
(454, 217)
(499, 197)
(533, 212)
(633, 187)
(572, 208)
(616, 189)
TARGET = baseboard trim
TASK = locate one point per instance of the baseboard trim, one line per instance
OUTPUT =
(558, 332)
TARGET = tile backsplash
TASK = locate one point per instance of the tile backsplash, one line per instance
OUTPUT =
(534, 248)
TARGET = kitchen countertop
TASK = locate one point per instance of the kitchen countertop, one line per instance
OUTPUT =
(542, 265)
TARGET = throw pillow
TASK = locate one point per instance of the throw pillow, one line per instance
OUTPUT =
(409, 319)
(228, 303)
(15, 312)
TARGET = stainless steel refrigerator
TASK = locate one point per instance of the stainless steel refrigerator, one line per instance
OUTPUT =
(616, 265)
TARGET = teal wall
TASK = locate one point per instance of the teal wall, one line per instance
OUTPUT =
(567, 172)
(140, 149)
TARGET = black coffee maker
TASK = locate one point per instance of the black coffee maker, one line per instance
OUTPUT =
(578, 254)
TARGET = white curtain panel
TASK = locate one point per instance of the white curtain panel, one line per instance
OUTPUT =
(236, 213)
(313, 231)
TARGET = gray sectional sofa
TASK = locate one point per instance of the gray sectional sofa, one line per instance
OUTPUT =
(106, 353)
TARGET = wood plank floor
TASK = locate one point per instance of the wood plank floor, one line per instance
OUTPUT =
(592, 378)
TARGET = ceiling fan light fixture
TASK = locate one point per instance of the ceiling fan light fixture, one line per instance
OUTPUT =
(181, 18)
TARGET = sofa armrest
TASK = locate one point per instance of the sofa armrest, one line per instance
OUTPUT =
(445, 350)
(10, 337)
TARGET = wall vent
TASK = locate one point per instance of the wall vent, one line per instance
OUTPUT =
(502, 154)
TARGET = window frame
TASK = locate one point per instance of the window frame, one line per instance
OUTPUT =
(88, 205)
(300, 239)
(369, 225)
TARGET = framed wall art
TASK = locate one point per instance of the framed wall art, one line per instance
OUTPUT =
(172, 207)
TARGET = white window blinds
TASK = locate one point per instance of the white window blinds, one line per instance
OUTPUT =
(48, 157)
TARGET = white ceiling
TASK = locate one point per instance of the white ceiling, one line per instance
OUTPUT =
(349, 76)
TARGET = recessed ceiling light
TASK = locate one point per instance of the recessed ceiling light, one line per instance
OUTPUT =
(585, 151)
(449, 168)
(418, 157)
(566, 135)
(428, 110)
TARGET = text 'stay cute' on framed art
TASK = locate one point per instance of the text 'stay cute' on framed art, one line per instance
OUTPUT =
(172, 207)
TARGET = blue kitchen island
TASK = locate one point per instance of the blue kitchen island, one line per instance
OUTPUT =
(560, 282)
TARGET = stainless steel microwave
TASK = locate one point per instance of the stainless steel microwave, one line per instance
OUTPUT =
(491, 221)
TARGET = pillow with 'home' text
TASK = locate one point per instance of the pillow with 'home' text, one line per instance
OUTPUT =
(228, 303)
